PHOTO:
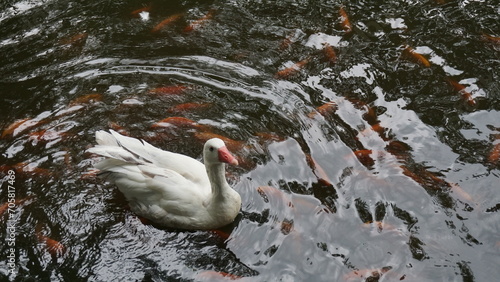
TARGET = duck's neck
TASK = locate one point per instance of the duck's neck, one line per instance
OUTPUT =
(224, 204)
(217, 176)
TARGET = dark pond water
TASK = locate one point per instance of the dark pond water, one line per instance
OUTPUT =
(368, 134)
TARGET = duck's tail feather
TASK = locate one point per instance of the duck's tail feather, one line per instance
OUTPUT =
(126, 149)
(114, 169)
(132, 145)
(106, 139)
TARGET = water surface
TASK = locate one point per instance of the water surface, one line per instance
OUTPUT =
(368, 147)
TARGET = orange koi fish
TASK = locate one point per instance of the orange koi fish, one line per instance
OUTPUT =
(77, 39)
(411, 174)
(466, 95)
(67, 160)
(231, 144)
(90, 173)
(356, 102)
(344, 20)
(287, 72)
(490, 38)
(15, 125)
(166, 22)
(318, 170)
(286, 226)
(304, 202)
(270, 136)
(24, 167)
(325, 110)
(307, 204)
(381, 225)
(118, 128)
(370, 116)
(176, 121)
(455, 188)
(199, 22)
(398, 149)
(377, 128)
(329, 53)
(267, 192)
(211, 275)
(289, 40)
(430, 176)
(382, 131)
(398, 146)
(411, 54)
(221, 234)
(285, 43)
(55, 248)
(86, 99)
(5, 206)
(494, 154)
(366, 273)
(5, 168)
(136, 13)
(170, 90)
(425, 178)
(21, 125)
(364, 157)
(45, 135)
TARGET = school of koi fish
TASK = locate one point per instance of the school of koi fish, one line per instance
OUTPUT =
(355, 163)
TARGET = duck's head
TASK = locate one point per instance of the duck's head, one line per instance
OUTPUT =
(215, 151)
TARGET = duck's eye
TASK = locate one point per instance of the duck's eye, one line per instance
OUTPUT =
(211, 149)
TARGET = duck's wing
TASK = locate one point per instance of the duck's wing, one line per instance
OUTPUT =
(155, 191)
(137, 152)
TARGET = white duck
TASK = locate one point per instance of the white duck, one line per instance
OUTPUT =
(170, 189)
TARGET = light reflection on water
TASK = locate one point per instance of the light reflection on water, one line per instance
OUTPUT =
(393, 180)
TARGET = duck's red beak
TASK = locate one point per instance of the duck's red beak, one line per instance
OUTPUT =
(226, 157)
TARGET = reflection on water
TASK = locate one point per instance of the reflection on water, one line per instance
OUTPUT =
(367, 134)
